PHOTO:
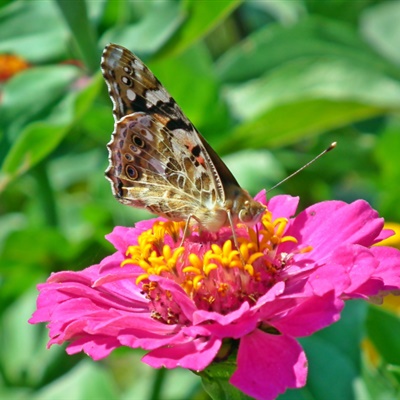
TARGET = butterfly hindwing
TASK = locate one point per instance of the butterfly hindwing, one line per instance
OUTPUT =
(146, 173)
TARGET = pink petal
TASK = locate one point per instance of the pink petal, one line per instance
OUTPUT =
(386, 233)
(331, 277)
(229, 326)
(283, 206)
(185, 303)
(239, 322)
(389, 266)
(309, 316)
(261, 197)
(196, 354)
(359, 264)
(118, 238)
(96, 347)
(201, 316)
(135, 329)
(122, 237)
(268, 365)
(327, 225)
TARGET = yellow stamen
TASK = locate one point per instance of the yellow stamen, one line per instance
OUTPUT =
(195, 261)
(227, 248)
(216, 249)
(209, 267)
(306, 249)
(141, 278)
(289, 239)
(127, 262)
(191, 270)
(144, 265)
(250, 269)
(254, 257)
(196, 281)
(281, 223)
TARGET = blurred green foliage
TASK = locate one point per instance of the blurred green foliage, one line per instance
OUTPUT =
(274, 82)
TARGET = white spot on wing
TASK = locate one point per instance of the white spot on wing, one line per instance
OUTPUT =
(153, 96)
(131, 94)
(148, 135)
(136, 64)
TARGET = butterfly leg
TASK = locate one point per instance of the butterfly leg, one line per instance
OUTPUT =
(235, 240)
(187, 228)
(258, 237)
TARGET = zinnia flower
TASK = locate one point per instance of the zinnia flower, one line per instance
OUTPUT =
(182, 299)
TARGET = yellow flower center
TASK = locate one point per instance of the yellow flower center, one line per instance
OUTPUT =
(214, 274)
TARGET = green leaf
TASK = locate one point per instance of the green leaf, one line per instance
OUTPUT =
(87, 380)
(375, 384)
(333, 356)
(43, 244)
(30, 95)
(346, 334)
(24, 359)
(287, 12)
(307, 119)
(389, 172)
(34, 143)
(275, 46)
(219, 389)
(48, 250)
(76, 15)
(152, 31)
(202, 17)
(33, 30)
(314, 78)
(318, 95)
(343, 10)
(40, 138)
(215, 379)
(383, 330)
(380, 26)
(330, 369)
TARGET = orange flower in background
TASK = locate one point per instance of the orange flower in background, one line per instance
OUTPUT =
(10, 65)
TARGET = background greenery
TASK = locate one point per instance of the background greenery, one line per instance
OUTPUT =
(268, 83)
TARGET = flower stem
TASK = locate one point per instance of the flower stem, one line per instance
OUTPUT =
(159, 378)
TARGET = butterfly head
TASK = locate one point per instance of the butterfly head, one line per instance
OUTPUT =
(251, 212)
(244, 208)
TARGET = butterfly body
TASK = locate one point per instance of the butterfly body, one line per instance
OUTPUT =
(159, 161)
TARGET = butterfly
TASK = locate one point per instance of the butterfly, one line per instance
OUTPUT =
(159, 161)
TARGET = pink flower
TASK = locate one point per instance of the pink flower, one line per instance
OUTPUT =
(182, 302)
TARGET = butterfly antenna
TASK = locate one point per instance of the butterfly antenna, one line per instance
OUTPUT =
(331, 147)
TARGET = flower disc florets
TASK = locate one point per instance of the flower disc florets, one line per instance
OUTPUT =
(213, 273)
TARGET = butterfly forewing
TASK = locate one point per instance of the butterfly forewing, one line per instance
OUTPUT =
(133, 87)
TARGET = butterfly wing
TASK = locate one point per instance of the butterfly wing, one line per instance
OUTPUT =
(146, 173)
(176, 173)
